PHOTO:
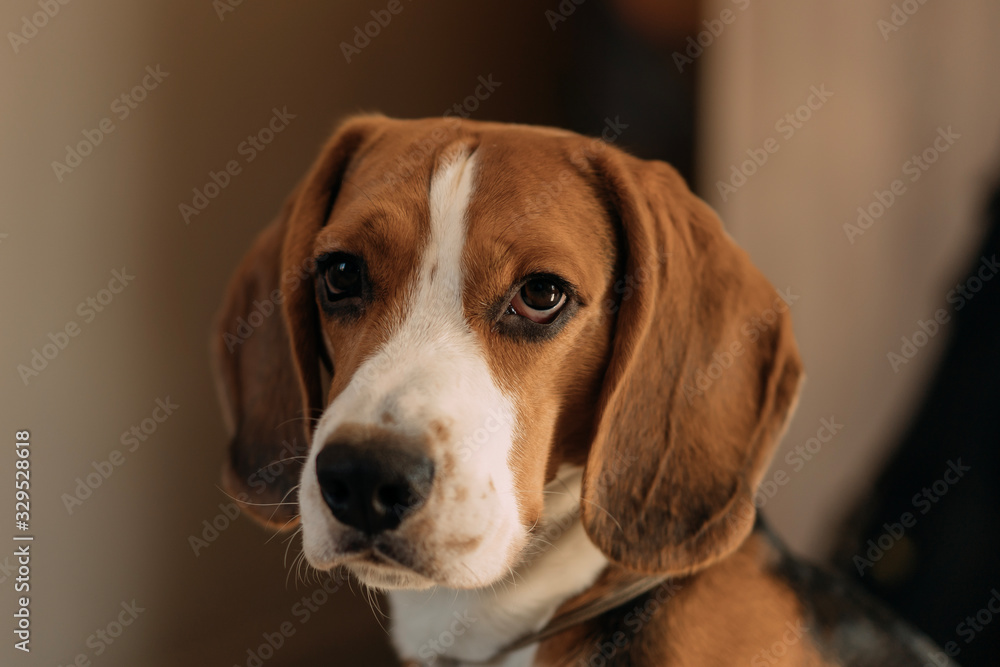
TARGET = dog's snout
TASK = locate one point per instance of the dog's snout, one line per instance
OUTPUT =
(373, 488)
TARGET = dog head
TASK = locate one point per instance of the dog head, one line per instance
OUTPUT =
(448, 311)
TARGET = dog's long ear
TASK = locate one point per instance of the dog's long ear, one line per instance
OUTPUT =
(266, 343)
(702, 378)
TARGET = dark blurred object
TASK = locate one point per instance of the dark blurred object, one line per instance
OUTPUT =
(942, 573)
(617, 73)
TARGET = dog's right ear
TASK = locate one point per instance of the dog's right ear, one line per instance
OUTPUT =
(266, 343)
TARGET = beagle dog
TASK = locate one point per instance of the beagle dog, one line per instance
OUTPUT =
(502, 373)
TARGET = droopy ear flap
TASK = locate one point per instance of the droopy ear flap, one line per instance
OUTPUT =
(266, 344)
(701, 381)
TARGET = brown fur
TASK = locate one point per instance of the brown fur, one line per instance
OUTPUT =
(731, 614)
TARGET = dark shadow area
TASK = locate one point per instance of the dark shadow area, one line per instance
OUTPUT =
(940, 489)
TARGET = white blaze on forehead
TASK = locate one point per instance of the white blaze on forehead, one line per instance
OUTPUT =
(409, 376)
(433, 369)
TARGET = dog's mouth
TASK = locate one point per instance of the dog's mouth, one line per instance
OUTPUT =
(379, 565)
(372, 555)
(376, 553)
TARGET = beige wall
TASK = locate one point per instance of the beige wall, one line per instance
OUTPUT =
(857, 299)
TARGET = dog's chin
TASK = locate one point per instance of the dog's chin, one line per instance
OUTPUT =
(388, 578)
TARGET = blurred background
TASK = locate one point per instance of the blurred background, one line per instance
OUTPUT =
(850, 147)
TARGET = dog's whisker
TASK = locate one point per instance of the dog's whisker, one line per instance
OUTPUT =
(371, 597)
(247, 502)
(288, 545)
(281, 530)
(283, 502)
(293, 565)
(299, 419)
(301, 570)
(293, 571)
(290, 458)
(610, 515)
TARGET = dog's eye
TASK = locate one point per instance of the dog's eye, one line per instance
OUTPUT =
(539, 300)
(342, 276)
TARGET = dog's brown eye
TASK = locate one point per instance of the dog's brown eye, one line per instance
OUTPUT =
(539, 300)
(341, 276)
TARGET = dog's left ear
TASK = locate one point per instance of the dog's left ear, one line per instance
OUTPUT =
(702, 378)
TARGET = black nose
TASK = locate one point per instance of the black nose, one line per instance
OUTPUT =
(372, 488)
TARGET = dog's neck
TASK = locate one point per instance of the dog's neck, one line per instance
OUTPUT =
(474, 625)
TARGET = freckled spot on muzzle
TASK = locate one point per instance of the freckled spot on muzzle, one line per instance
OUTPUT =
(439, 431)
